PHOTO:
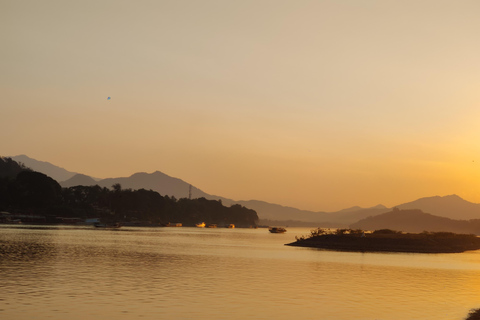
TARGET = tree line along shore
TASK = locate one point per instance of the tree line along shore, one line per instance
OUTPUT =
(38, 198)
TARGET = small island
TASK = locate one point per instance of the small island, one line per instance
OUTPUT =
(387, 240)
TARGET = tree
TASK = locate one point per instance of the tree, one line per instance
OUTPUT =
(10, 168)
(35, 190)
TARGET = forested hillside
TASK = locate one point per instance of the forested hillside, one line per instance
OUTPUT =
(28, 192)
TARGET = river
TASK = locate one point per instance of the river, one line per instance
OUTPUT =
(52, 272)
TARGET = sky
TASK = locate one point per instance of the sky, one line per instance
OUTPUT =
(320, 105)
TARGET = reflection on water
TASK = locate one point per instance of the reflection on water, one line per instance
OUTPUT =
(191, 273)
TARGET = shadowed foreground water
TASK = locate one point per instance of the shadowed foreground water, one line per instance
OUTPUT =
(192, 273)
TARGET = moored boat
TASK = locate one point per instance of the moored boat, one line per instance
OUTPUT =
(200, 225)
(277, 230)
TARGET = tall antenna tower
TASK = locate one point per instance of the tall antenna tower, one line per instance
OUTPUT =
(190, 192)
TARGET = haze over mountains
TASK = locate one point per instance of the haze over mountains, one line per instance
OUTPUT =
(53, 171)
(451, 207)
(415, 220)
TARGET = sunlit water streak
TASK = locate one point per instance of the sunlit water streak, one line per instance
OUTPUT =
(191, 273)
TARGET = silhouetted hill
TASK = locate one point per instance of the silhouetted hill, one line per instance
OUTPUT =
(10, 168)
(79, 180)
(293, 216)
(451, 206)
(178, 188)
(157, 181)
(34, 197)
(166, 185)
(278, 212)
(352, 209)
(345, 218)
(57, 173)
(414, 220)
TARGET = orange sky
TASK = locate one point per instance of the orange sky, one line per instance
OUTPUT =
(319, 105)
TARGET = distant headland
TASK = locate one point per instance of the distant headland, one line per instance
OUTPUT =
(387, 240)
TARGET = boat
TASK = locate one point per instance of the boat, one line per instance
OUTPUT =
(200, 225)
(277, 230)
(212, 226)
(107, 225)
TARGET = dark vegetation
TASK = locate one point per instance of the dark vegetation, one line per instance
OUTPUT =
(386, 240)
(474, 314)
(27, 193)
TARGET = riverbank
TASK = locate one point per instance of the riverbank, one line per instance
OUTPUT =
(391, 241)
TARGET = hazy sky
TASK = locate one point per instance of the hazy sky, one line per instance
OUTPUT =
(319, 105)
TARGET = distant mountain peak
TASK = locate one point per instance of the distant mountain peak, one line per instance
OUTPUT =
(415, 220)
(78, 180)
(55, 172)
(140, 174)
(351, 209)
(447, 197)
(358, 208)
(146, 174)
(451, 206)
(24, 158)
(454, 196)
(80, 175)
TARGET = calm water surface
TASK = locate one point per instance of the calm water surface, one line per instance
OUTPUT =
(192, 273)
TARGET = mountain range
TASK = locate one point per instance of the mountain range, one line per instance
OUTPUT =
(415, 220)
(53, 171)
(451, 207)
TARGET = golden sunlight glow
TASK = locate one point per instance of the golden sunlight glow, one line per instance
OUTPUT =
(317, 105)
